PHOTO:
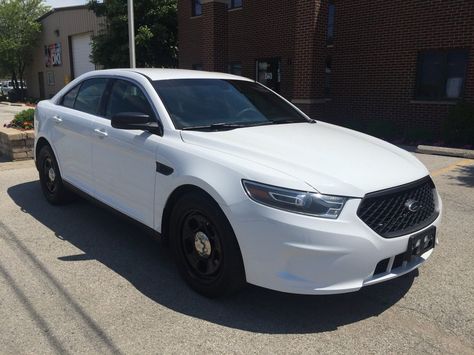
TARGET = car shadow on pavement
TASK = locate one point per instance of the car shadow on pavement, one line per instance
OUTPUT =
(147, 264)
(464, 176)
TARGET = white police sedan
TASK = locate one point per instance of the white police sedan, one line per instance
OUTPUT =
(244, 186)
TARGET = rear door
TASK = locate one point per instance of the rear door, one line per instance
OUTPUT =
(73, 132)
(123, 161)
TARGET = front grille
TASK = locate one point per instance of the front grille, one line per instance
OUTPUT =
(387, 213)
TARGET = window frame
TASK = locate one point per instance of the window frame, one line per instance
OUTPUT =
(194, 13)
(79, 86)
(61, 101)
(418, 75)
(99, 111)
(155, 115)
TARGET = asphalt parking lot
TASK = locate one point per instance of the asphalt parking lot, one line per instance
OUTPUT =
(78, 279)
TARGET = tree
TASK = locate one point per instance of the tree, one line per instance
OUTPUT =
(155, 33)
(19, 29)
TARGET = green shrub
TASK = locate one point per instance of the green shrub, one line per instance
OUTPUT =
(23, 119)
(458, 128)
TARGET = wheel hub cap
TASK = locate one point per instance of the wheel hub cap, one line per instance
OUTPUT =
(51, 174)
(202, 244)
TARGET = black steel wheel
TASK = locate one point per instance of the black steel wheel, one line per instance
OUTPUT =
(205, 247)
(201, 246)
(50, 177)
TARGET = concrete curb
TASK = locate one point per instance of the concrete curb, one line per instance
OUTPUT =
(450, 152)
(6, 103)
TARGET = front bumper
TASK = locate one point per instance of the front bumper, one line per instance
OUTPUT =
(301, 254)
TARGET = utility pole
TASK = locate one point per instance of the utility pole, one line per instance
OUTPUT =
(131, 34)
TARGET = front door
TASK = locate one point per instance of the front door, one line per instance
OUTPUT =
(72, 132)
(268, 73)
(123, 161)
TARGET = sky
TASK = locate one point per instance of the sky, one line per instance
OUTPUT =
(64, 3)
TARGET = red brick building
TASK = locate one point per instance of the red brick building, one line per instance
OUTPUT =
(401, 62)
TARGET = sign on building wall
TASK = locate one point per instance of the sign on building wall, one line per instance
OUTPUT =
(52, 55)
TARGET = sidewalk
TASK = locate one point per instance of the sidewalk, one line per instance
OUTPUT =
(8, 112)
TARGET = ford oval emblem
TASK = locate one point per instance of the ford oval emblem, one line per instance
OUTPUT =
(412, 205)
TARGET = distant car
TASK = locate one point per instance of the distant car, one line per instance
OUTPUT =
(6, 87)
(243, 184)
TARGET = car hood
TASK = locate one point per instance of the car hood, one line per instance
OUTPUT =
(331, 159)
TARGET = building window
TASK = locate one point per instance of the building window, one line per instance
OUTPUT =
(331, 16)
(327, 76)
(235, 68)
(197, 66)
(441, 74)
(197, 7)
(235, 4)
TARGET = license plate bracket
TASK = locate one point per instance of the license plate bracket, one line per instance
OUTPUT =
(420, 243)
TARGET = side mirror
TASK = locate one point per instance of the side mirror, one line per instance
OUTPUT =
(135, 120)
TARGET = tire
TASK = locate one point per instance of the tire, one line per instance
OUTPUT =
(205, 247)
(50, 178)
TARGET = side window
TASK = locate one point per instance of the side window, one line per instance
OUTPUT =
(127, 97)
(441, 74)
(70, 97)
(196, 8)
(89, 96)
(330, 28)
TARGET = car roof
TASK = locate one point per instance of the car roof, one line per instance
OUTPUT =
(168, 74)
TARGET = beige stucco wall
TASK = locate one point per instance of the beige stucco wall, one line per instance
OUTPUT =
(69, 22)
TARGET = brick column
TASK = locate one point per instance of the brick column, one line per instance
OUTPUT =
(309, 28)
(214, 27)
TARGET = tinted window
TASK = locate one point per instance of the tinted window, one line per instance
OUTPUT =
(331, 17)
(70, 97)
(441, 74)
(197, 7)
(199, 102)
(235, 3)
(89, 96)
(127, 97)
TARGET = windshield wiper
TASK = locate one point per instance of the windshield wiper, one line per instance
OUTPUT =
(225, 126)
(291, 120)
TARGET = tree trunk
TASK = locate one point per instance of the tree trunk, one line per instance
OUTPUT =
(21, 71)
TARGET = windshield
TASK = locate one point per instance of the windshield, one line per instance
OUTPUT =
(212, 103)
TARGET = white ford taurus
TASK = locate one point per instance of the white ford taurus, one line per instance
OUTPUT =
(244, 186)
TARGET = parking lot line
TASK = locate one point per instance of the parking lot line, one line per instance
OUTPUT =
(459, 163)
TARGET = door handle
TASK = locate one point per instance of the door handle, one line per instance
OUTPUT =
(57, 119)
(100, 133)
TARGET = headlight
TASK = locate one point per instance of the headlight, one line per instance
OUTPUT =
(309, 203)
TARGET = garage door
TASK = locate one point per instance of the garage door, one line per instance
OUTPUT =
(81, 51)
